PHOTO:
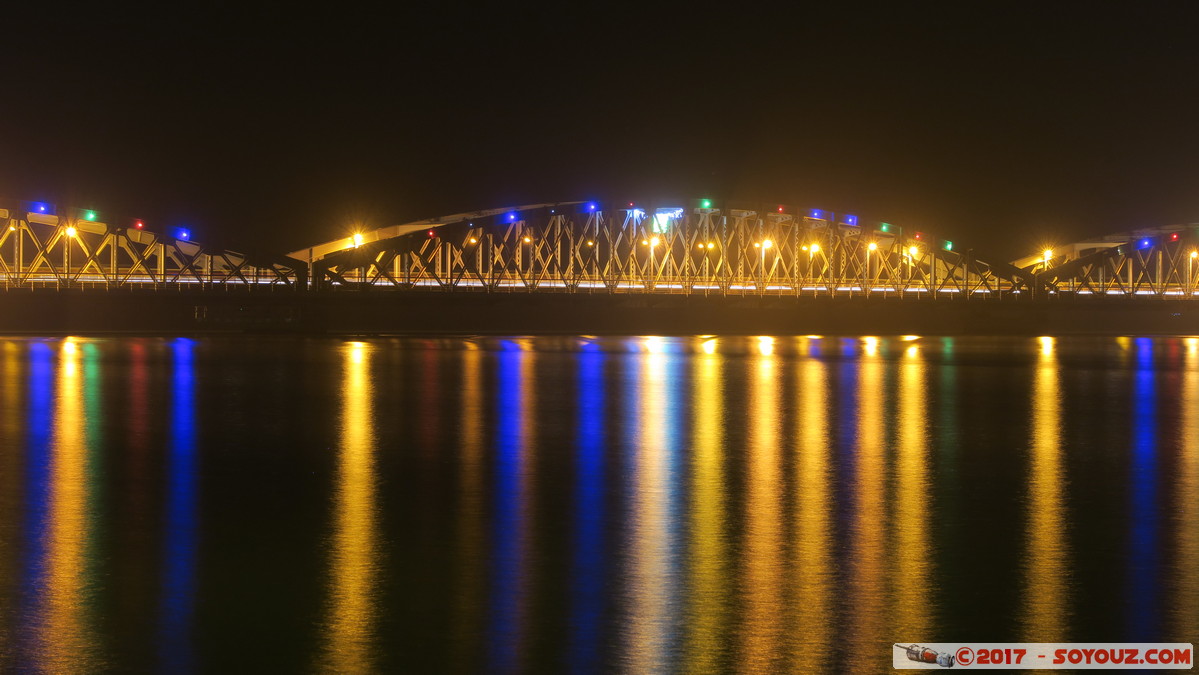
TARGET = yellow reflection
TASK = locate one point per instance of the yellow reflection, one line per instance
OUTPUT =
(354, 564)
(868, 578)
(650, 573)
(65, 637)
(709, 346)
(911, 522)
(708, 590)
(816, 585)
(10, 470)
(912, 351)
(1186, 615)
(763, 536)
(765, 345)
(870, 346)
(1044, 604)
(1047, 344)
(469, 586)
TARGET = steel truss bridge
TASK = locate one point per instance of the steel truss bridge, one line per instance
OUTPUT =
(43, 250)
(580, 247)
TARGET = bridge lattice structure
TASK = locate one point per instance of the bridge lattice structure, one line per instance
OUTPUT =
(578, 247)
(47, 251)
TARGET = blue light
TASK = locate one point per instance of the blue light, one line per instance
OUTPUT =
(817, 214)
(851, 220)
(39, 207)
(592, 206)
(1145, 243)
(182, 233)
(511, 217)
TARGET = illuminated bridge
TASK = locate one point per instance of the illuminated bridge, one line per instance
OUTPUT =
(689, 252)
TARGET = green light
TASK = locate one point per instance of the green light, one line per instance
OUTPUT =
(949, 246)
(89, 215)
(705, 203)
(884, 227)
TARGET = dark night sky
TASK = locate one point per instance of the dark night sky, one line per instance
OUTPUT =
(1002, 127)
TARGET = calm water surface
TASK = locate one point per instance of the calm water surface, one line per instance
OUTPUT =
(578, 504)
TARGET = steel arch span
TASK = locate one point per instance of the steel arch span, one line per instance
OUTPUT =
(1155, 262)
(578, 247)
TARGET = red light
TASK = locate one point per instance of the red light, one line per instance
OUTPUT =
(918, 235)
(780, 209)
(1174, 236)
(430, 233)
(630, 204)
(138, 224)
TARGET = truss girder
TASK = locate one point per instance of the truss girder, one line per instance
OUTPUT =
(632, 251)
(1158, 267)
(40, 251)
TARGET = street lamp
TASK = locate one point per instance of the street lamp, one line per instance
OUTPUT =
(870, 248)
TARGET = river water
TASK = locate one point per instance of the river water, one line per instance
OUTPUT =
(584, 504)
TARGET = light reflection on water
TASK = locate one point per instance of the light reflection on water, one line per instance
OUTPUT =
(354, 558)
(640, 504)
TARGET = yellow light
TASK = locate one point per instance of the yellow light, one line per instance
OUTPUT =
(1048, 253)
(528, 239)
(872, 246)
(804, 247)
(591, 243)
(644, 242)
(913, 251)
(870, 346)
(473, 240)
(70, 232)
(711, 245)
(767, 244)
(757, 245)
(765, 345)
(1046, 345)
(357, 239)
(13, 228)
(653, 242)
(1194, 254)
(815, 248)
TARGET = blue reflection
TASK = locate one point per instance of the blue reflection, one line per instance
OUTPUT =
(37, 473)
(179, 568)
(587, 564)
(504, 625)
(1143, 586)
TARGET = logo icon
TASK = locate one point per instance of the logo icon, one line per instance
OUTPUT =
(926, 655)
